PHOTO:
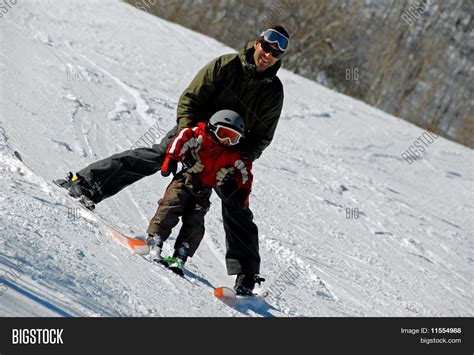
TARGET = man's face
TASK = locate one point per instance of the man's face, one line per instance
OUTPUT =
(262, 59)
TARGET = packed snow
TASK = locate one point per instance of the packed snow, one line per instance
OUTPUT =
(347, 226)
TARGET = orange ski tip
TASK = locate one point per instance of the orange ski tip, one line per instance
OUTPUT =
(219, 292)
(135, 245)
(138, 246)
(136, 242)
(224, 292)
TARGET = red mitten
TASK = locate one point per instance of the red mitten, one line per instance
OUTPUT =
(188, 139)
(184, 147)
(169, 166)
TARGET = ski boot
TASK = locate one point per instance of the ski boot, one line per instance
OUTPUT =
(245, 283)
(156, 246)
(78, 188)
(176, 263)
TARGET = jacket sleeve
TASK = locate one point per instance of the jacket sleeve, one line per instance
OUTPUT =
(262, 133)
(196, 96)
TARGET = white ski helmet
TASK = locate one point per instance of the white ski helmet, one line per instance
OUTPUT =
(227, 118)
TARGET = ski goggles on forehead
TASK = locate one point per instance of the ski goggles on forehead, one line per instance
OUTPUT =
(274, 37)
(227, 135)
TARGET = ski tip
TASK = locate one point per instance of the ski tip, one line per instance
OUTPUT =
(224, 292)
(141, 249)
(138, 246)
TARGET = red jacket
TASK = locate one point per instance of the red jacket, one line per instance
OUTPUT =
(212, 154)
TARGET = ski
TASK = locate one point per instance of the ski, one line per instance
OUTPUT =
(135, 245)
(140, 247)
(241, 303)
(168, 264)
(225, 293)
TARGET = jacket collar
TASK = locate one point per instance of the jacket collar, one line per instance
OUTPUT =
(248, 65)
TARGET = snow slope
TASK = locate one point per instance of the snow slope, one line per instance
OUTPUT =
(83, 80)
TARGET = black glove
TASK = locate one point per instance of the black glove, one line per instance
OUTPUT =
(189, 161)
(192, 162)
(225, 174)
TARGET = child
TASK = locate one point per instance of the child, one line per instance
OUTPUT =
(207, 155)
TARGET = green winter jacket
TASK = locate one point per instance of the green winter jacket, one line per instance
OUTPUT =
(231, 82)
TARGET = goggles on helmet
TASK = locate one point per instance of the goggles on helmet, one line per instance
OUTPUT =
(227, 135)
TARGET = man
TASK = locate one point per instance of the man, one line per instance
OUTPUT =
(246, 83)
